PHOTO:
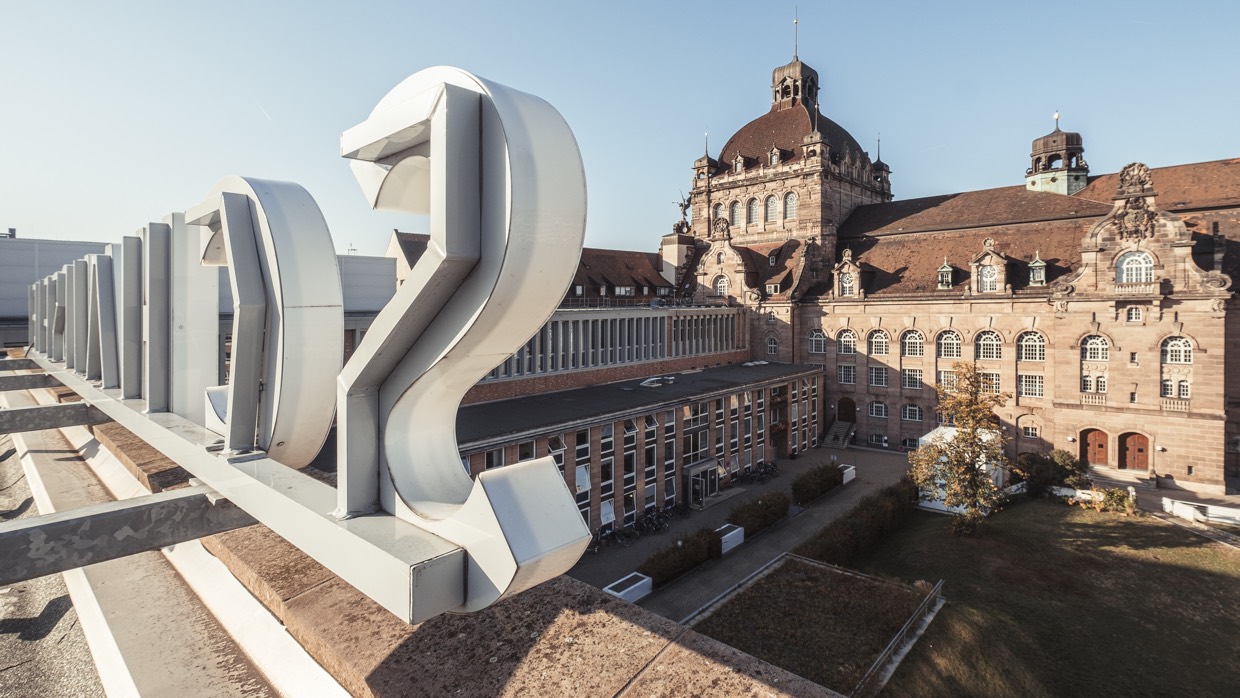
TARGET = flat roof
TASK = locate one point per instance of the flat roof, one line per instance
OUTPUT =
(500, 420)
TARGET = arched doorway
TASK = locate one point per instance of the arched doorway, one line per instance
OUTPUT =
(846, 410)
(1094, 447)
(1134, 452)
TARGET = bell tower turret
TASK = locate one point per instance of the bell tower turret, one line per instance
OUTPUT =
(1058, 163)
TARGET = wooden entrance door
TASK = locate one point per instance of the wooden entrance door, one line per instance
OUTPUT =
(1134, 452)
(846, 410)
(1094, 447)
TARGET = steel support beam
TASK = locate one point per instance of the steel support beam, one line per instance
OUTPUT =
(72, 414)
(53, 543)
(27, 381)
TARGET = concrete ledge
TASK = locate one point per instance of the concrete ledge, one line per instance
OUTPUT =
(561, 638)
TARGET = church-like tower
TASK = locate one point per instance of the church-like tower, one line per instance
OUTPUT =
(792, 173)
(1057, 163)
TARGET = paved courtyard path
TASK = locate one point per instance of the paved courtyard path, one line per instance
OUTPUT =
(676, 601)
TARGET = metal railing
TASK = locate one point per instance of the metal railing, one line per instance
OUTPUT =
(869, 683)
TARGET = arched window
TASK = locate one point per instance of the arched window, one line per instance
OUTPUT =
(790, 205)
(848, 283)
(817, 342)
(1095, 348)
(990, 278)
(718, 212)
(734, 216)
(1134, 313)
(912, 344)
(772, 209)
(751, 212)
(846, 342)
(1030, 346)
(988, 345)
(877, 343)
(1134, 268)
(910, 413)
(949, 345)
(1184, 390)
(772, 346)
(1168, 388)
(774, 157)
(1176, 350)
(719, 258)
(721, 285)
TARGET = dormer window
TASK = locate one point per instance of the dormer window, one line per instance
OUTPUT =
(773, 259)
(738, 165)
(990, 278)
(1037, 271)
(774, 157)
(945, 276)
(772, 289)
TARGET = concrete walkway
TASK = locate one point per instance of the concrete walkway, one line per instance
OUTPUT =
(875, 469)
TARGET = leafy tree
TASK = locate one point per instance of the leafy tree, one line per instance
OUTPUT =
(955, 467)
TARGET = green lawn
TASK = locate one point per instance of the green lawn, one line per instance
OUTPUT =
(801, 614)
(1054, 600)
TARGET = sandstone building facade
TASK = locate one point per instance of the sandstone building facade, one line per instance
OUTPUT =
(1099, 302)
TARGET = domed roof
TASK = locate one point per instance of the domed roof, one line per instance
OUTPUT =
(1057, 141)
(785, 129)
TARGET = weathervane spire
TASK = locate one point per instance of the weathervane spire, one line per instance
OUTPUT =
(1056, 119)
(796, 21)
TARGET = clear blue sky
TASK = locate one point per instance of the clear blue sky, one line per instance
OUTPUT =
(114, 114)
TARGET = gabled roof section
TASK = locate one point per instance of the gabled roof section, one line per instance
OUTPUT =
(972, 209)
(1214, 184)
(758, 269)
(599, 267)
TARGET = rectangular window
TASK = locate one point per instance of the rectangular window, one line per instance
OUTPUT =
(495, 458)
(910, 378)
(624, 290)
(1184, 390)
(990, 382)
(910, 444)
(1132, 358)
(525, 451)
(878, 410)
(878, 440)
(878, 376)
(1168, 388)
(1029, 385)
(583, 478)
(1132, 397)
(1031, 432)
(847, 374)
(947, 380)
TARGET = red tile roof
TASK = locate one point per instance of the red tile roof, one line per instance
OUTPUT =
(784, 128)
(904, 242)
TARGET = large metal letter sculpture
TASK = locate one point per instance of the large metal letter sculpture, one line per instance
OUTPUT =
(499, 173)
(288, 317)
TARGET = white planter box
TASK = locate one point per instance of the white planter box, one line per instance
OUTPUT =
(850, 472)
(730, 536)
(632, 588)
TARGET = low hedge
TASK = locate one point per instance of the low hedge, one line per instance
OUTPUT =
(666, 564)
(863, 526)
(760, 513)
(816, 482)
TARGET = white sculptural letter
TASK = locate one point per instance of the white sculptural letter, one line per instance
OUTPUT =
(500, 176)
